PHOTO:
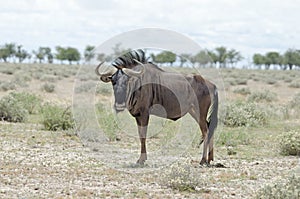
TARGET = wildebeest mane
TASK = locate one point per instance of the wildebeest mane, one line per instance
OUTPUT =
(127, 60)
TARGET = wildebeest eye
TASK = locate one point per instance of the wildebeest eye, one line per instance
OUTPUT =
(113, 81)
(114, 78)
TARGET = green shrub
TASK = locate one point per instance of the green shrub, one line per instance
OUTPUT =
(290, 143)
(293, 107)
(107, 122)
(49, 78)
(244, 114)
(233, 81)
(23, 74)
(37, 75)
(295, 84)
(289, 189)
(295, 102)
(242, 91)
(288, 79)
(256, 79)
(241, 81)
(49, 88)
(12, 110)
(6, 70)
(262, 96)
(271, 81)
(56, 118)
(6, 86)
(28, 101)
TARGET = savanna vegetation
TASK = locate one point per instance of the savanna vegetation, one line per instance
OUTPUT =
(221, 56)
(257, 144)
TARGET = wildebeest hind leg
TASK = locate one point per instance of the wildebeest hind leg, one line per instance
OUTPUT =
(204, 130)
(142, 123)
(211, 149)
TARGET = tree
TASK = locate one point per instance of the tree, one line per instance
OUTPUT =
(119, 51)
(21, 54)
(72, 54)
(233, 57)
(48, 54)
(40, 54)
(4, 54)
(271, 58)
(164, 57)
(60, 55)
(221, 53)
(103, 57)
(11, 49)
(89, 53)
(184, 58)
(203, 58)
(213, 57)
(282, 62)
(258, 59)
(292, 58)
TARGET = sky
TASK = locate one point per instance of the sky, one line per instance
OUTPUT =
(247, 26)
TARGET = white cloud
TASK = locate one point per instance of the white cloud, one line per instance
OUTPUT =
(249, 26)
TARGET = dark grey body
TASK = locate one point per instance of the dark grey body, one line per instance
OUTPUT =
(145, 89)
(171, 95)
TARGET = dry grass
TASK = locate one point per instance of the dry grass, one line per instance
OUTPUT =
(36, 163)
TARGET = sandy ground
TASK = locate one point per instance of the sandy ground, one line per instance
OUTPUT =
(43, 164)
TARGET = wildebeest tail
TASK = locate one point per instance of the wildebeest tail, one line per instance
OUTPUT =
(212, 115)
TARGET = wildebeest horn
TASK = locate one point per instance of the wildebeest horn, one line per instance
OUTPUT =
(134, 73)
(97, 69)
(105, 76)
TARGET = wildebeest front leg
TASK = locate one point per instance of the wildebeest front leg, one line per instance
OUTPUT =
(142, 123)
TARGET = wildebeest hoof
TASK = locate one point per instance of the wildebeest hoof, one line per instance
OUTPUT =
(140, 162)
(204, 163)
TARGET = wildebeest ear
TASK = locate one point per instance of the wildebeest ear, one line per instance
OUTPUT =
(105, 78)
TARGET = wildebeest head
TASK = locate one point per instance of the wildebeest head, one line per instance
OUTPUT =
(119, 78)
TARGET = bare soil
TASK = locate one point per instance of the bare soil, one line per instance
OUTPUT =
(35, 163)
(43, 164)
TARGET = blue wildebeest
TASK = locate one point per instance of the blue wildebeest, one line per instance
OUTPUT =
(144, 89)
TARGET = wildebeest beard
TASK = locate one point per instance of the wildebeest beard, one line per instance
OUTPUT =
(119, 82)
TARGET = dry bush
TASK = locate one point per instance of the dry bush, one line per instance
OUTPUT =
(47, 87)
(293, 107)
(244, 114)
(12, 110)
(242, 91)
(289, 189)
(289, 143)
(179, 176)
(262, 96)
(7, 86)
(295, 84)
